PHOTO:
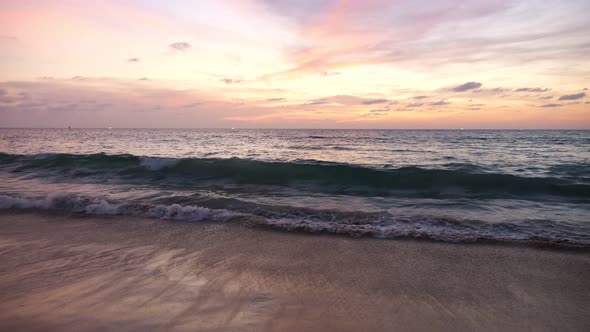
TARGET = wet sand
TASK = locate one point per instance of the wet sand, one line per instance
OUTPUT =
(84, 273)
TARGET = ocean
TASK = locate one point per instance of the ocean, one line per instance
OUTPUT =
(444, 185)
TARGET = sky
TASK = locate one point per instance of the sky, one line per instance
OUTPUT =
(295, 64)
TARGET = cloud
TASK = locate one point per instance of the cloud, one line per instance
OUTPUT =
(2, 92)
(573, 97)
(7, 99)
(467, 86)
(8, 38)
(144, 79)
(352, 33)
(551, 105)
(420, 97)
(546, 98)
(375, 113)
(431, 34)
(231, 80)
(133, 60)
(374, 101)
(415, 105)
(321, 101)
(346, 100)
(180, 46)
(493, 91)
(532, 90)
(31, 105)
(300, 10)
(92, 103)
(275, 99)
(191, 105)
(441, 103)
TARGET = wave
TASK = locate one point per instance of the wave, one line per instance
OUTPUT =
(99, 206)
(580, 170)
(466, 180)
(379, 225)
(319, 148)
(445, 230)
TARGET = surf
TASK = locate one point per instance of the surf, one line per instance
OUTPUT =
(317, 176)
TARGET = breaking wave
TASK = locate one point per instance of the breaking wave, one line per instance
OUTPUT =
(468, 180)
(379, 225)
(79, 204)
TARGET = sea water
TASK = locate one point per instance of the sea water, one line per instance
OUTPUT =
(447, 185)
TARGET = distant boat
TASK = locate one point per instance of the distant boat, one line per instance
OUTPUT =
(69, 127)
(110, 127)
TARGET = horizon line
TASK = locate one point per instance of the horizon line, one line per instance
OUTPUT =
(279, 128)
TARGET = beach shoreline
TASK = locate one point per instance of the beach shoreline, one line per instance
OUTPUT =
(83, 272)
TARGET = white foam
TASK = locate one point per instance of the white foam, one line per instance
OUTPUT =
(385, 226)
(192, 213)
(101, 207)
(7, 202)
(74, 203)
(435, 229)
(58, 201)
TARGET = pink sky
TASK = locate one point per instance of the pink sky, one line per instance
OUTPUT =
(295, 64)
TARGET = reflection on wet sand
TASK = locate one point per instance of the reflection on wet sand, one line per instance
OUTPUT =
(62, 272)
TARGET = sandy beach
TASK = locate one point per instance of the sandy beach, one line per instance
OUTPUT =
(88, 273)
(282, 165)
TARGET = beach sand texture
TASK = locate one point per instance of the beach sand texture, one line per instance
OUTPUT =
(88, 273)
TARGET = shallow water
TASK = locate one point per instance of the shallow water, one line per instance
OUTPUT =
(448, 185)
